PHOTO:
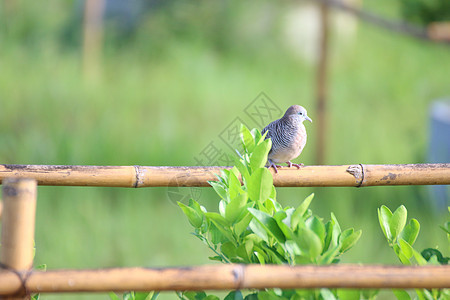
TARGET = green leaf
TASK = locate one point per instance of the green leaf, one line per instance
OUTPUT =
(234, 185)
(305, 294)
(218, 219)
(211, 297)
(243, 224)
(243, 170)
(419, 258)
(401, 294)
(329, 255)
(38, 296)
(253, 296)
(248, 246)
(269, 224)
(260, 185)
(257, 135)
(411, 231)
(316, 225)
(113, 296)
(193, 216)
(292, 248)
(309, 243)
(348, 294)
(259, 156)
(384, 217)
(281, 219)
(328, 235)
(221, 224)
(446, 227)
(234, 295)
(403, 258)
(128, 296)
(222, 207)
(42, 267)
(268, 207)
(327, 294)
(247, 138)
(223, 178)
(300, 211)
(245, 250)
(398, 221)
(260, 255)
(259, 230)
(195, 295)
(369, 294)
(423, 294)
(406, 248)
(236, 207)
(350, 240)
(264, 295)
(273, 256)
(336, 231)
(229, 249)
(145, 295)
(216, 258)
(220, 189)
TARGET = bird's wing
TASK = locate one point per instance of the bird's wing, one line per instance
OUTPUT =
(271, 130)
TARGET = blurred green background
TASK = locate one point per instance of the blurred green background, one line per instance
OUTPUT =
(168, 83)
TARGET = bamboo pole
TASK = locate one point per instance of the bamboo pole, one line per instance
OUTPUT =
(322, 85)
(16, 251)
(439, 31)
(92, 37)
(231, 277)
(141, 176)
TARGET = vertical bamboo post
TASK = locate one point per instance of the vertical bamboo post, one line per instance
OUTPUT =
(92, 37)
(321, 87)
(19, 198)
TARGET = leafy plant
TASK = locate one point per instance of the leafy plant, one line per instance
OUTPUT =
(401, 237)
(252, 227)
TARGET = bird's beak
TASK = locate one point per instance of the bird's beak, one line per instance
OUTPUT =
(308, 118)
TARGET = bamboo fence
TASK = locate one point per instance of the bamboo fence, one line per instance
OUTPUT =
(227, 277)
(18, 280)
(357, 175)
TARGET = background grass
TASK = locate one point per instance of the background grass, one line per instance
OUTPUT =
(169, 88)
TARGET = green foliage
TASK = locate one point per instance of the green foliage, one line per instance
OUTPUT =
(401, 238)
(135, 296)
(426, 11)
(252, 227)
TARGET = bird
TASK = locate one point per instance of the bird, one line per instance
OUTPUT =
(288, 136)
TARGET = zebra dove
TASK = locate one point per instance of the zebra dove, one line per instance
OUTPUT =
(288, 136)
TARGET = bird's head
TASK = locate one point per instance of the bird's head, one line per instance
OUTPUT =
(298, 112)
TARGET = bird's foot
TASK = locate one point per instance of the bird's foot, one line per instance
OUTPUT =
(275, 166)
(296, 165)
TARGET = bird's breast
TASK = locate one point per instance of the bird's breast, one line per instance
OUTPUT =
(295, 142)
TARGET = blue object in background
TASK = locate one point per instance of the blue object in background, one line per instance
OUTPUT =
(439, 147)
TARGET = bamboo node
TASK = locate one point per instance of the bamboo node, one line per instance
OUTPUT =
(238, 274)
(10, 188)
(357, 172)
(23, 278)
(140, 176)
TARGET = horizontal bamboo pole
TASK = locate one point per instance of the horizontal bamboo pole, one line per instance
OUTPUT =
(229, 277)
(142, 176)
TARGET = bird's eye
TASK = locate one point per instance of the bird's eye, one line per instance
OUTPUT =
(300, 113)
